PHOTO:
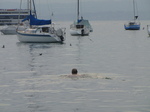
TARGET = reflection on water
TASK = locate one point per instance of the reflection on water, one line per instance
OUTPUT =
(37, 55)
(35, 45)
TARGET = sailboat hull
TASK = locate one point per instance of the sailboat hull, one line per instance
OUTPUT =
(132, 27)
(37, 38)
(82, 28)
(76, 32)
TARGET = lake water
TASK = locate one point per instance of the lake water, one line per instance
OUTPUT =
(116, 63)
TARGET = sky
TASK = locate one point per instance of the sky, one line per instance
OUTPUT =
(65, 10)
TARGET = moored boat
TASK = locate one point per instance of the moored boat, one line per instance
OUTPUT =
(11, 29)
(132, 25)
(80, 26)
(148, 29)
(41, 31)
(42, 34)
(135, 24)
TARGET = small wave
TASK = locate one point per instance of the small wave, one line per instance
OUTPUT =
(87, 76)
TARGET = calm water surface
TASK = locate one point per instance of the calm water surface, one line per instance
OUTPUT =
(116, 63)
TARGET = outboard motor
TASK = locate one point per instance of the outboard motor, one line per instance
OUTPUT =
(60, 34)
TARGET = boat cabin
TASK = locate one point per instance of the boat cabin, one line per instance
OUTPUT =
(131, 23)
(79, 26)
(45, 29)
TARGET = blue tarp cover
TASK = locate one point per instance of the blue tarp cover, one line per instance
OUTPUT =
(34, 21)
(79, 20)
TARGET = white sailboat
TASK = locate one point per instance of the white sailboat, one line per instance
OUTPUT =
(41, 31)
(135, 24)
(148, 29)
(81, 26)
(11, 30)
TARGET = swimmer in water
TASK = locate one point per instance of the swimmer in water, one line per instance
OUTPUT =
(74, 75)
(74, 71)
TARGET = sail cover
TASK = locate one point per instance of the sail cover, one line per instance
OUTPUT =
(35, 21)
(79, 20)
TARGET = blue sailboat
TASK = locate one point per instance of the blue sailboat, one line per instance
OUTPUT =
(135, 24)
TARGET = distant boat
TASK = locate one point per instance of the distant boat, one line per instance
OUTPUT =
(10, 19)
(11, 30)
(135, 24)
(148, 29)
(81, 26)
(41, 31)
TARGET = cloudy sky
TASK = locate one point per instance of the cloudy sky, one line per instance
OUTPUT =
(90, 9)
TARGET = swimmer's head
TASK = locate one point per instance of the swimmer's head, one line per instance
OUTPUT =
(74, 71)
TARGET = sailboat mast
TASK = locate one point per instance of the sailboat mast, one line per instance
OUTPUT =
(134, 8)
(34, 9)
(30, 6)
(78, 10)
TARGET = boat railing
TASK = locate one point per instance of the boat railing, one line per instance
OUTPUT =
(72, 26)
(132, 23)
